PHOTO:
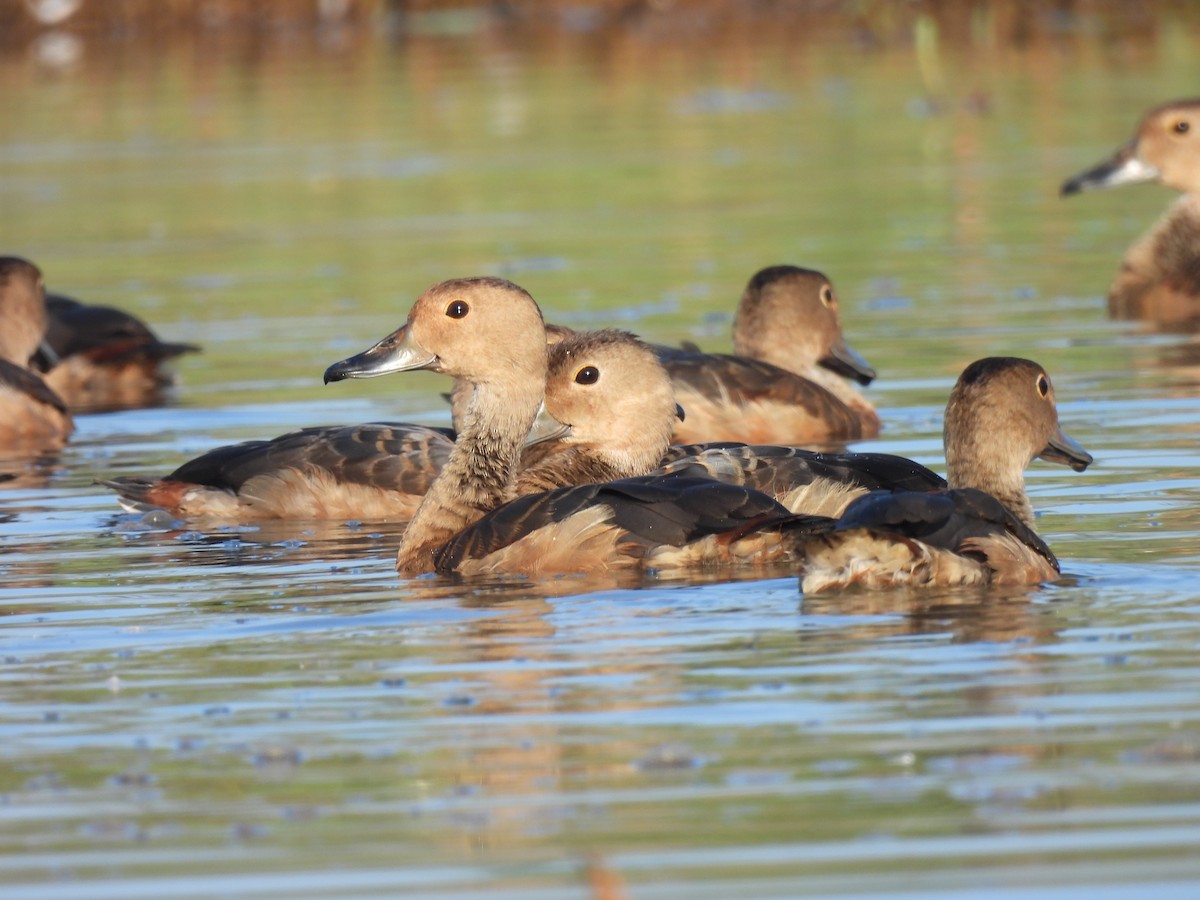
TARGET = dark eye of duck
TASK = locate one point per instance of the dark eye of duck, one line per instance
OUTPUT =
(1043, 385)
(457, 309)
(827, 295)
(587, 375)
(1182, 126)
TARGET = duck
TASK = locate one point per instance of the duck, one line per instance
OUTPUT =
(489, 332)
(102, 359)
(980, 530)
(1001, 415)
(33, 417)
(607, 414)
(1159, 277)
(779, 386)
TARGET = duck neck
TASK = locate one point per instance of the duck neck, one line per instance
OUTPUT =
(478, 476)
(1000, 474)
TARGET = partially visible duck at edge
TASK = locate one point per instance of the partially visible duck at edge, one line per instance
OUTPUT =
(1000, 417)
(607, 414)
(1159, 278)
(101, 359)
(779, 386)
(32, 416)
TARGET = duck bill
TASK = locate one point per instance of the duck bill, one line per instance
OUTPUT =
(398, 352)
(846, 362)
(545, 428)
(1123, 168)
(1063, 449)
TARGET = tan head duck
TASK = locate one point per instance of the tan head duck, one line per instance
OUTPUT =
(488, 332)
(32, 416)
(616, 407)
(1001, 416)
(783, 383)
(607, 414)
(1159, 278)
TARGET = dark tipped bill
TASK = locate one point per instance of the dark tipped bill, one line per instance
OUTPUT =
(1123, 168)
(1063, 449)
(847, 363)
(398, 352)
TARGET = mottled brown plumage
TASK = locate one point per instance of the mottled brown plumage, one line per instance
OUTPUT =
(1159, 278)
(32, 416)
(778, 386)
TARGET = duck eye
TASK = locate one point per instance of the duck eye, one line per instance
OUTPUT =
(587, 375)
(457, 309)
(1182, 126)
(827, 295)
(1043, 385)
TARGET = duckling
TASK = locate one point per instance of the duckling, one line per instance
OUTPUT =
(607, 414)
(1159, 278)
(32, 415)
(778, 387)
(1001, 416)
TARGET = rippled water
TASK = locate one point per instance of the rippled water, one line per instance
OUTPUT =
(271, 711)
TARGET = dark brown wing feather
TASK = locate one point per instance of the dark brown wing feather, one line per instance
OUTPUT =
(776, 470)
(943, 519)
(652, 509)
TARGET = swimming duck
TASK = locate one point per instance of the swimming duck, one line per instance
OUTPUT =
(607, 414)
(99, 358)
(490, 333)
(779, 385)
(32, 415)
(1159, 278)
(1001, 416)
